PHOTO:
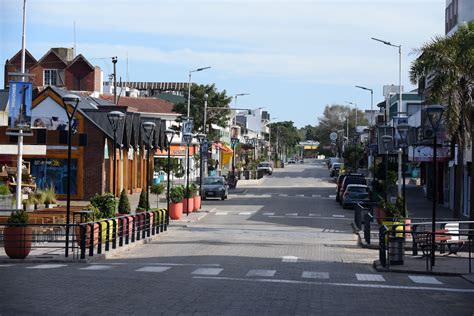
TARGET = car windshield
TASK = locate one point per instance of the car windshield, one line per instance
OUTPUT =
(264, 165)
(213, 181)
(357, 189)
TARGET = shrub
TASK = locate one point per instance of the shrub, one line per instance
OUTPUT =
(105, 203)
(194, 188)
(142, 205)
(157, 188)
(4, 190)
(95, 215)
(124, 203)
(49, 196)
(176, 194)
(188, 193)
(17, 218)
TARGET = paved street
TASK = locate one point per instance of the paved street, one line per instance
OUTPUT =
(280, 247)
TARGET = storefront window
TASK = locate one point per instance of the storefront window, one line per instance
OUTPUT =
(53, 172)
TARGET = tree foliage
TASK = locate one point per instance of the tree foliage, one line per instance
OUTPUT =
(284, 134)
(215, 99)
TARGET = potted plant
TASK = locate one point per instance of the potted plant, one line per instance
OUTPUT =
(157, 188)
(188, 199)
(176, 205)
(196, 196)
(142, 202)
(17, 235)
(124, 204)
(50, 199)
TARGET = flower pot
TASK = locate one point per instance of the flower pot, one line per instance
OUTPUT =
(17, 241)
(197, 202)
(88, 235)
(187, 202)
(379, 214)
(176, 210)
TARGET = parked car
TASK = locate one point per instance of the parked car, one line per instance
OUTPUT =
(332, 160)
(215, 187)
(291, 161)
(350, 178)
(265, 167)
(355, 193)
(339, 180)
(334, 171)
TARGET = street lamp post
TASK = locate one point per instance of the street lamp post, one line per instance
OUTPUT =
(201, 137)
(169, 136)
(73, 101)
(435, 114)
(403, 132)
(386, 140)
(115, 117)
(233, 142)
(371, 102)
(187, 138)
(149, 128)
(400, 106)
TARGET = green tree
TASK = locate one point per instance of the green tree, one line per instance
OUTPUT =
(142, 203)
(124, 203)
(214, 116)
(285, 137)
(449, 63)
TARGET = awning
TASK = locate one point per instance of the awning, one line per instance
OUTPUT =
(224, 148)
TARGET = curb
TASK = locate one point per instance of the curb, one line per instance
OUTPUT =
(378, 267)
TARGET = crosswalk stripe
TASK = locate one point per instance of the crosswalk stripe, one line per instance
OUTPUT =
(314, 275)
(300, 195)
(316, 195)
(96, 267)
(313, 214)
(221, 213)
(289, 259)
(337, 215)
(261, 273)
(245, 213)
(6, 265)
(268, 214)
(332, 196)
(153, 269)
(424, 279)
(207, 271)
(370, 277)
(48, 266)
(283, 195)
(291, 214)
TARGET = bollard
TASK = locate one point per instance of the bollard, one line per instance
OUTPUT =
(107, 235)
(358, 216)
(83, 241)
(91, 241)
(367, 220)
(382, 249)
(114, 233)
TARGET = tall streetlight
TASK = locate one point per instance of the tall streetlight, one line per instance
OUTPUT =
(435, 114)
(400, 107)
(386, 140)
(148, 128)
(169, 137)
(403, 129)
(115, 117)
(201, 137)
(187, 138)
(354, 104)
(71, 100)
(235, 102)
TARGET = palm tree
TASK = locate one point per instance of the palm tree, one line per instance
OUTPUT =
(449, 64)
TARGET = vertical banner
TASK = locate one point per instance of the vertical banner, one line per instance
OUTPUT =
(20, 105)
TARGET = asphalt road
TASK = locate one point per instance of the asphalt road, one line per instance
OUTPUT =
(282, 247)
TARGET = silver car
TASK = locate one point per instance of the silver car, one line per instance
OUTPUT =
(355, 193)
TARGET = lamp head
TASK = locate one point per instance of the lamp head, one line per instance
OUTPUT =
(200, 137)
(187, 138)
(435, 113)
(386, 140)
(148, 127)
(169, 135)
(71, 99)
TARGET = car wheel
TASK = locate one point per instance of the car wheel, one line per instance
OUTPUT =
(223, 198)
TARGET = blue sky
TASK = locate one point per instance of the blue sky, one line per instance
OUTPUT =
(294, 57)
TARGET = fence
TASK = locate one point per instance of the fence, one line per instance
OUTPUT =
(86, 238)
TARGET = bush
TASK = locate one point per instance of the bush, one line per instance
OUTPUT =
(18, 217)
(124, 203)
(105, 203)
(142, 205)
(194, 189)
(157, 188)
(176, 194)
(49, 195)
(95, 215)
(4, 190)
(188, 193)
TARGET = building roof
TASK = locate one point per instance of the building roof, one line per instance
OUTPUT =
(173, 98)
(144, 105)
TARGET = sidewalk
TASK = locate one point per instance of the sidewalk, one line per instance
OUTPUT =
(419, 210)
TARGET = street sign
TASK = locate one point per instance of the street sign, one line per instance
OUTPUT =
(333, 136)
(187, 126)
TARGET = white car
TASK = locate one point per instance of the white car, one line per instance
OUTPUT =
(266, 167)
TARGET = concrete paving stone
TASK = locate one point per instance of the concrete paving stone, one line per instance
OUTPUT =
(315, 275)
(424, 279)
(370, 277)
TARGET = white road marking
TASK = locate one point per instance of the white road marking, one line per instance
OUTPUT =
(315, 275)
(212, 209)
(313, 214)
(340, 216)
(153, 269)
(185, 264)
(207, 271)
(48, 266)
(316, 195)
(424, 279)
(221, 213)
(333, 196)
(245, 213)
(283, 195)
(268, 214)
(5, 265)
(300, 195)
(370, 277)
(358, 285)
(291, 214)
(261, 273)
(292, 259)
(312, 217)
(96, 267)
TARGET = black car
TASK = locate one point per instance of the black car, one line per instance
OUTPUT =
(351, 178)
(215, 187)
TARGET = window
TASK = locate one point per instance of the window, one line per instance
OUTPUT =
(50, 77)
(53, 173)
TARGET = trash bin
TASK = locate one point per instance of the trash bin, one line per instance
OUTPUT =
(246, 174)
(260, 174)
(396, 248)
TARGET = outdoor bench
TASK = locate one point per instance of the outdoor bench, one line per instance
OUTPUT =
(446, 237)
